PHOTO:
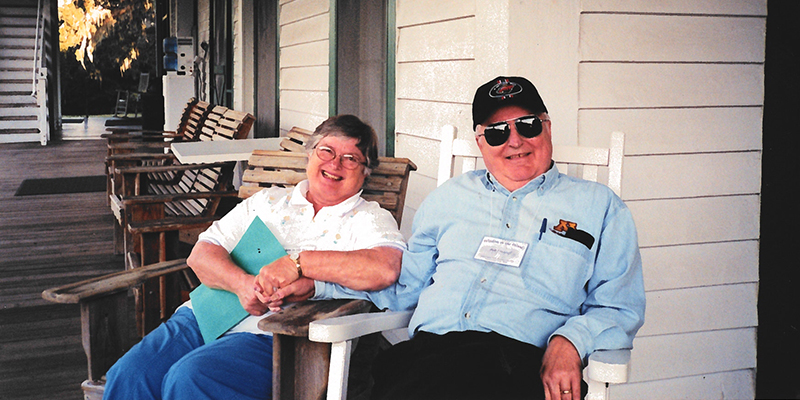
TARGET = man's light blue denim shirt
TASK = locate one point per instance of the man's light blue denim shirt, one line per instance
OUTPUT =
(580, 276)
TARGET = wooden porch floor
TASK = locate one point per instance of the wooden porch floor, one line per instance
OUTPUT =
(45, 241)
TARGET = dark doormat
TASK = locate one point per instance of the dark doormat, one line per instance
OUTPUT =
(73, 184)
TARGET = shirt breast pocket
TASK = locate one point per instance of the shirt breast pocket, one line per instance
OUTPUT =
(556, 270)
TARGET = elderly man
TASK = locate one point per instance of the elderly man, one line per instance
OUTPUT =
(517, 272)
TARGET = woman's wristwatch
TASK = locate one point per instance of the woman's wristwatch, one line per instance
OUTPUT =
(296, 258)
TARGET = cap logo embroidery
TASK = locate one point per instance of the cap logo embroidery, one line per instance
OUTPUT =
(505, 89)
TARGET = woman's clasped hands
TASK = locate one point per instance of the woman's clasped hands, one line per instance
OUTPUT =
(280, 282)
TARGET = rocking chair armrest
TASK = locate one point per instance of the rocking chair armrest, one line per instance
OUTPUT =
(136, 134)
(167, 168)
(140, 156)
(170, 224)
(108, 284)
(139, 145)
(340, 329)
(610, 366)
(163, 198)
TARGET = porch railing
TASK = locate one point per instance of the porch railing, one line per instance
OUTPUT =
(39, 77)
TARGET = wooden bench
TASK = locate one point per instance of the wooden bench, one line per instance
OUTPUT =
(107, 322)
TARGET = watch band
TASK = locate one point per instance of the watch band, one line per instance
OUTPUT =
(296, 258)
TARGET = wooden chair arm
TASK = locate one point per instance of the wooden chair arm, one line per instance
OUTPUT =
(349, 327)
(294, 320)
(107, 284)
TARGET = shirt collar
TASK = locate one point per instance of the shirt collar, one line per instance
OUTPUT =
(299, 200)
(544, 181)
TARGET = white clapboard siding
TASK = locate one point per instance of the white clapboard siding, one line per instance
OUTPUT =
(417, 12)
(297, 10)
(690, 354)
(653, 38)
(449, 40)
(305, 54)
(436, 47)
(615, 85)
(305, 78)
(435, 81)
(693, 265)
(684, 81)
(303, 81)
(702, 7)
(691, 175)
(700, 309)
(421, 118)
(314, 102)
(722, 385)
(696, 220)
(305, 31)
(674, 130)
(304, 27)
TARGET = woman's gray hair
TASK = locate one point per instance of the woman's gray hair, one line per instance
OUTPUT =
(349, 126)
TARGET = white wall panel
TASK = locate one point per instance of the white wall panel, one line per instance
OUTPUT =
(306, 30)
(642, 38)
(291, 118)
(704, 264)
(700, 309)
(698, 220)
(611, 85)
(305, 54)
(691, 175)
(425, 119)
(674, 130)
(305, 78)
(424, 152)
(709, 7)
(436, 81)
(732, 385)
(450, 40)
(670, 356)
(416, 12)
(296, 10)
(305, 101)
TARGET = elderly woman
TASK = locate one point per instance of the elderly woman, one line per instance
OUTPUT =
(332, 236)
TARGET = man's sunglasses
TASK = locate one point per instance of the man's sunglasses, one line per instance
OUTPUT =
(528, 126)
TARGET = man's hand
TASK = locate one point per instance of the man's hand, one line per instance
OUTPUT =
(561, 370)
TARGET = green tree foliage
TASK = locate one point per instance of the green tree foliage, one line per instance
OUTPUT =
(105, 45)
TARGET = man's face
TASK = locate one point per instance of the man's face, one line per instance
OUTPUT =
(519, 160)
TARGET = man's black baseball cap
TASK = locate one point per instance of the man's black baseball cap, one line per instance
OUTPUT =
(505, 91)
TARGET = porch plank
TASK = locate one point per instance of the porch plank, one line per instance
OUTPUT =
(48, 240)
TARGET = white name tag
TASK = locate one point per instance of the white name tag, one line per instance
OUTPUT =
(501, 251)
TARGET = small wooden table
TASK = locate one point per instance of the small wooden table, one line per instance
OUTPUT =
(205, 152)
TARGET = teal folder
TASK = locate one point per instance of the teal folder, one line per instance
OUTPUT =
(218, 310)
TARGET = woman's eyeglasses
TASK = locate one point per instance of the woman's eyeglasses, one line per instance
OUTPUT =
(349, 161)
(528, 126)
